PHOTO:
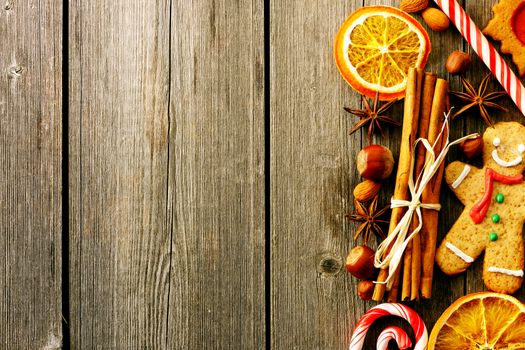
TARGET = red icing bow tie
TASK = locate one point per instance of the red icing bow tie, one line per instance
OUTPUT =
(480, 209)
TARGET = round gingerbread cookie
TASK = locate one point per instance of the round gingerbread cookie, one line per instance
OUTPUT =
(508, 26)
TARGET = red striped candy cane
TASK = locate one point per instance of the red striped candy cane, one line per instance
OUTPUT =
(393, 333)
(420, 331)
(485, 51)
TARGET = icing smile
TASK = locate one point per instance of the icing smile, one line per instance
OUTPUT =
(505, 163)
(497, 142)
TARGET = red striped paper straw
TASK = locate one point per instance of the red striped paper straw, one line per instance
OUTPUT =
(485, 51)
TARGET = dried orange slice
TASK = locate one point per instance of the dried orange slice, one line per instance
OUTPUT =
(480, 321)
(376, 46)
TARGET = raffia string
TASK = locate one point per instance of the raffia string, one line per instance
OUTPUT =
(390, 251)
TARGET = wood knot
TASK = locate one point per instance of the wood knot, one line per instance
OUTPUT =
(16, 71)
(8, 6)
(329, 265)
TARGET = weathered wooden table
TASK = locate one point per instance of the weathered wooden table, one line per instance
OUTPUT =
(175, 174)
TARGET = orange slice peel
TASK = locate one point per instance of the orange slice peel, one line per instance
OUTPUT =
(376, 46)
(484, 321)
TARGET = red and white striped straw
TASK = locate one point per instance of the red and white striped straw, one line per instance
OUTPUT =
(485, 51)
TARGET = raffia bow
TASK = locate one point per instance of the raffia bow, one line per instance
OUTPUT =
(390, 251)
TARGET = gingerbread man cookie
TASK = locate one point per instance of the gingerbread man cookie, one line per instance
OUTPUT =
(494, 214)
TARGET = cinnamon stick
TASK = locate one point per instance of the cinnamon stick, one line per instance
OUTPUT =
(424, 118)
(407, 272)
(412, 251)
(432, 193)
(408, 136)
(393, 293)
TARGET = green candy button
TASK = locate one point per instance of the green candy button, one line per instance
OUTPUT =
(493, 236)
(495, 218)
(500, 198)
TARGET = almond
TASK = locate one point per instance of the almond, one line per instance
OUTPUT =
(411, 6)
(366, 190)
(458, 62)
(436, 19)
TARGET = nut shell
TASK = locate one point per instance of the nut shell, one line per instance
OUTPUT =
(472, 148)
(366, 190)
(412, 6)
(365, 290)
(360, 262)
(458, 62)
(375, 162)
(436, 19)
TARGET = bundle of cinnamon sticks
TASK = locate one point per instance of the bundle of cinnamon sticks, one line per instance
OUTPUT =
(426, 102)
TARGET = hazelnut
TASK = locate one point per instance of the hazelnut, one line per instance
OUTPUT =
(365, 290)
(375, 162)
(472, 147)
(458, 62)
(360, 262)
(366, 190)
(435, 19)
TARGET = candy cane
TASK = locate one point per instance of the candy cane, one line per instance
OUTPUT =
(485, 51)
(393, 333)
(420, 331)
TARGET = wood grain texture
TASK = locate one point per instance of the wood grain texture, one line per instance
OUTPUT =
(167, 178)
(313, 171)
(31, 175)
(119, 122)
(167, 175)
(216, 198)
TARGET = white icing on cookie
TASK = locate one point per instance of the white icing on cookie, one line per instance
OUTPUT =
(496, 142)
(461, 177)
(521, 148)
(459, 253)
(516, 273)
(504, 163)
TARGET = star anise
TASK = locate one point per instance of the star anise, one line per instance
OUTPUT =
(369, 219)
(372, 116)
(479, 98)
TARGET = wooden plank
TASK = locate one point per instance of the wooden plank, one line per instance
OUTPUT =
(163, 151)
(119, 122)
(216, 203)
(313, 175)
(31, 175)
(313, 170)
